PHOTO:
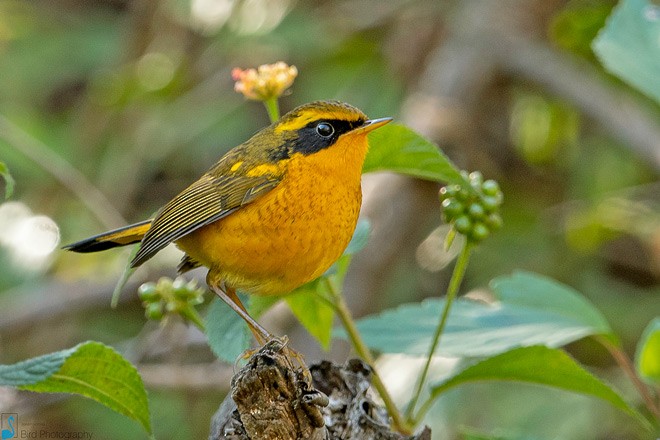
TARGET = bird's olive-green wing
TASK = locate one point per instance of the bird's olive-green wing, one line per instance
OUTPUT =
(209, 199)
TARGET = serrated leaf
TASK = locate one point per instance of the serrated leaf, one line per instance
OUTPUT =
(647, 356)
(89, 369)
(313, 312)
(33, 370)
(541, 366)
(227, 333)
(530, 310)
(628, 45)
(9, 180)
(398, 148)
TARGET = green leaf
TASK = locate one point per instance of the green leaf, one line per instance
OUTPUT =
(628, 45)
(90, 369)
(537, 365)
(398, 148)
(33, 370)
(647, 357)
(360, 237)
(227, 333)
(530, 310)
(313, 311)
(576, 24)
(9, 181)
(258, 305)
(534, 291)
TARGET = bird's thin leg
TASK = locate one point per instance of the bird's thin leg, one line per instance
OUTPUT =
(228, 295)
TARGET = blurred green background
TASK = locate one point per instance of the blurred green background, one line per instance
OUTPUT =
(110, 107)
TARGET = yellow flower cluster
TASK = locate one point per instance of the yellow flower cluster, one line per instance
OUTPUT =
(266, 82)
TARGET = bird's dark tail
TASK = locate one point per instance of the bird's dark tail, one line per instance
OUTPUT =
(117, 237)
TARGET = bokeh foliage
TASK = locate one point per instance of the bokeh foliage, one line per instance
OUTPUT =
(137, 96)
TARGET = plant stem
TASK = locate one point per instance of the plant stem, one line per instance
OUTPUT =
(273, 109)
(363, 351)
(627, 366)
(452, 290)
(190, 313)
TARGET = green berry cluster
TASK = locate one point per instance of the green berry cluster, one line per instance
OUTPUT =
(171, 297)
(473, 210)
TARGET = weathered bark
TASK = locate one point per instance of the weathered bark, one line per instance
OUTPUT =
(275, 398)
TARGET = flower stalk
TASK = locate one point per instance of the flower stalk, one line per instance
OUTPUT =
(363, 351)
(452, 290)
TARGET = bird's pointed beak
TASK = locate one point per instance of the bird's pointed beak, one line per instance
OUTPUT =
(372, 124)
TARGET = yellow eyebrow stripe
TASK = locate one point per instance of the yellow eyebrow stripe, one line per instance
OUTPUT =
(305, 118)
(296, 123)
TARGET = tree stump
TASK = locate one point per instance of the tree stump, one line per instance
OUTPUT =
(273, 399)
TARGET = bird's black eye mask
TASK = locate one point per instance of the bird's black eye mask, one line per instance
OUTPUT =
(315, 136)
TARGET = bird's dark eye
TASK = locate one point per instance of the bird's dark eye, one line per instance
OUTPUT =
(324, 129)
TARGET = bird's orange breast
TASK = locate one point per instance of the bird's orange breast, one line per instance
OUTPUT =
(292, 234)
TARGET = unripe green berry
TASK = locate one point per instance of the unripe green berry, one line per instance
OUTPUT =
(452, 190)
(463, 195)
(479, 232)
(490, 188)
(476, 211)
(147, 292)
(472, 207)
(463, 224)
(452, 208)
(181, 289)
(476, 179)
(197, 298)
(493, 221)
(173, 306)
(164, 283)
(444, 193)
(154, 311)
(179, 283)
(491, 203)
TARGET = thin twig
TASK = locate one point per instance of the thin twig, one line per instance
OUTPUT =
(65, 173)
(626, 365)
